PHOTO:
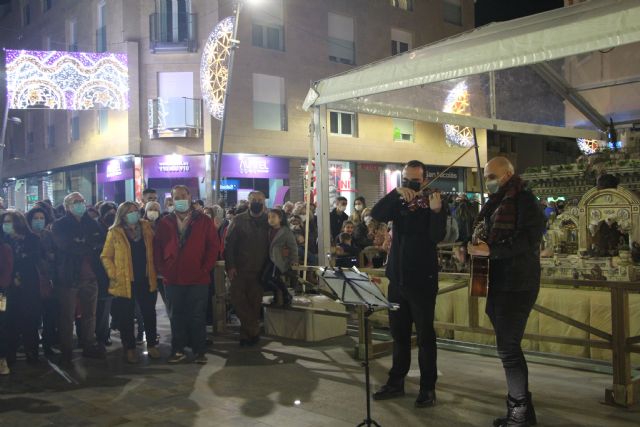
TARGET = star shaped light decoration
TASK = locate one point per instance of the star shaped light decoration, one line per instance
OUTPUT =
(457, 102)
(67, 80)
(590, 146)
(214, 66)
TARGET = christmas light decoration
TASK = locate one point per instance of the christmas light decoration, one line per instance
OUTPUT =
(457, 102)
(214, 66)
(67, 80)
(589, 146)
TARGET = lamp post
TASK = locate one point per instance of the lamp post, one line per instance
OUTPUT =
(223, 121)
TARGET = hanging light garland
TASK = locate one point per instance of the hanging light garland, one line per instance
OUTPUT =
(67, 80)
(589, 146)
(457, 102)
(214, 66)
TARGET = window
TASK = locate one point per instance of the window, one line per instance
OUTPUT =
(101, 32)
(75, 126)
(73, 36)
(452, 11)
(341, 123)
(403, 4)
(400, 41)
(46, 5)
(268, 25)
(403, 130)
(269, 106)
(26, 14)
(341, 39)
(103, 121)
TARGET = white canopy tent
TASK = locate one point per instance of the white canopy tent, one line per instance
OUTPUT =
(515, 73)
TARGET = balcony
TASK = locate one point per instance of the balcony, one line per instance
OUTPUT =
(175, 118)
(172, 32)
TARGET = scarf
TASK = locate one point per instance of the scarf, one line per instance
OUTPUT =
(501, 211)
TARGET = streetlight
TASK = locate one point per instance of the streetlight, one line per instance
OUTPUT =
(219, 109)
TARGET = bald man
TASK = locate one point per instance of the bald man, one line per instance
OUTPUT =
(513, 225)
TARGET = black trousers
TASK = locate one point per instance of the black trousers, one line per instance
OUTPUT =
(187, 305)
(417, 306)
(509, 312)
(20, 322)
(103, 310)
(49, 321)
(125, 313)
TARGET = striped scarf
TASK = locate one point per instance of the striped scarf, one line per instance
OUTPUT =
(501, 211)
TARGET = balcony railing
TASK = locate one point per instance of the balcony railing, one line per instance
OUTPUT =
(173, 32)
(175, 118)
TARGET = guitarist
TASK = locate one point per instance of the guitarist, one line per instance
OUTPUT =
(419, 223)
(514, 224)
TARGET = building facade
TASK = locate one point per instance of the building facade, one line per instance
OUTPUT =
(166, 137)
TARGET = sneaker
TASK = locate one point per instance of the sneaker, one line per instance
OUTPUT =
(201, 359)
(153, 353)
(4, 368)
(176, 358)
(132, 357)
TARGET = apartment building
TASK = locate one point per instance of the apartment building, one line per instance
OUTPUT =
(166, 137)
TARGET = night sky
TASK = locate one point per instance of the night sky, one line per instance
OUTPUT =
(503, 10)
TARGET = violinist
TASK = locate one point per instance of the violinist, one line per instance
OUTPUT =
(419, 223)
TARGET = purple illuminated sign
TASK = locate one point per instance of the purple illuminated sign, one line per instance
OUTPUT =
(67, 80)
(115, 170)
(174, 166)
(244, 166)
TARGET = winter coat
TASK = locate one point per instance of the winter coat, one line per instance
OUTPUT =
(6, 266)
(191, 262)
(335, 220)
(283, 238)
(117, 260)
(27, 263)
(74, 240)
(247, 244)
(413, 258)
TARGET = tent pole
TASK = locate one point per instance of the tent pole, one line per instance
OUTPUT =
(308, 193)
(480, 177)
(321, 148)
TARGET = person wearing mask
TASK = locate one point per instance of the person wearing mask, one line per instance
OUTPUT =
(103, 306)
(337, 217)
(6, 272)
(169, 206)
(107, 215)
(148, 195)
(280, 237)
(359, 204)
(78, 240)
(510, 235)
(128, 259)
(185, 251)
(246, 253)
(40, 220)
(152, 213)
(419, 223)
(23, 293)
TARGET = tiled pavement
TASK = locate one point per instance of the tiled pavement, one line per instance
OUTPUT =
(286, 384)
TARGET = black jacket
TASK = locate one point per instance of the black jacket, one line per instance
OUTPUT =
(74, 240)
(336, 219)
(413, 258)
(515, 263)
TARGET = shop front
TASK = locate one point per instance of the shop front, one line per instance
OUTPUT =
(115, 179)
(449, 182)
(162, 173)
(243, 173)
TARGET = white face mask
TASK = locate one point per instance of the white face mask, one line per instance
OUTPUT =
(153, 215)
(171, 208)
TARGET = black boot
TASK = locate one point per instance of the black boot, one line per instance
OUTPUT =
(519, 414)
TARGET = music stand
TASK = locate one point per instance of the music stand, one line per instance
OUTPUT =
(352, 287)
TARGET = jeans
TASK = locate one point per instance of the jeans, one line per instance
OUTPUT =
(509, 312)
(86, 293)
(187, 305)
(417, 306)
(125, 309)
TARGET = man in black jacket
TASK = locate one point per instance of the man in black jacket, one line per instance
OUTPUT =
(419, 223)
(513, 224)
(78, 240)
(337, 217)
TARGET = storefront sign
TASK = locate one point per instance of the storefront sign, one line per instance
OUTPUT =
(450, 181)
(228, 184)
(242, 166)
(174, 166)
(115, 170)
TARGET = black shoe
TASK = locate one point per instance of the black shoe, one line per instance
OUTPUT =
(531, 414)
(95, 352)
(517, 411)
(426, 398)
(253, 341)
(243, 342)
(201, 359)
(388, 392)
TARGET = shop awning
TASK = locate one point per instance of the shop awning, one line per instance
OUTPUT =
(514, 72)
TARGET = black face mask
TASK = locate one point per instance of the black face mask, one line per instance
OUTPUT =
(256, 207)
(415, 186)
(108, 219)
